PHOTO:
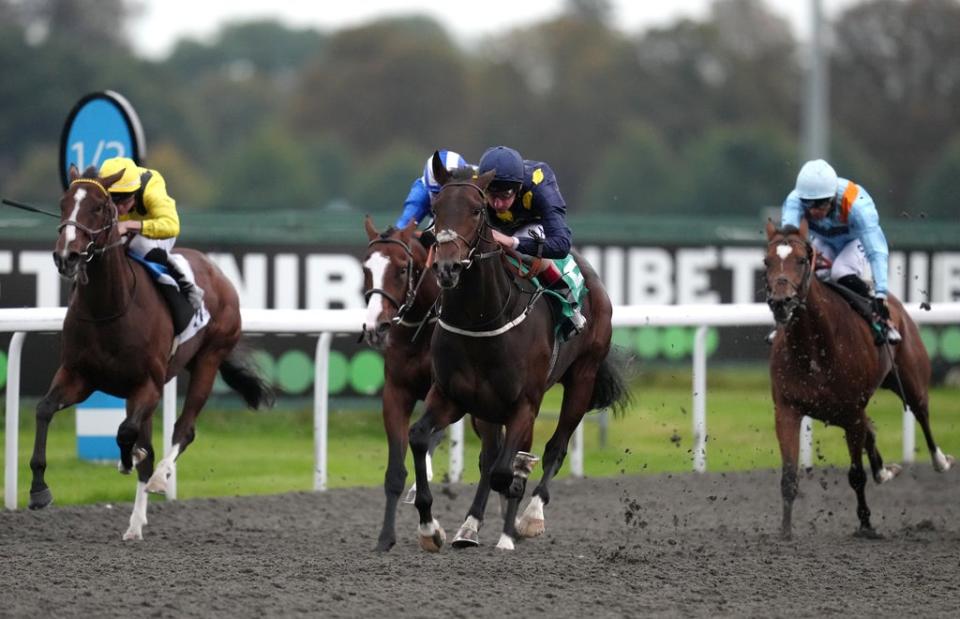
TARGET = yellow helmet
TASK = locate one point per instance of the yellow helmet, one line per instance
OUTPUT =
(129, 182)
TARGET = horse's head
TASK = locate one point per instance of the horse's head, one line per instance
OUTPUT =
(391, 271)
(88, 220)
(789, 264)
(460, 216)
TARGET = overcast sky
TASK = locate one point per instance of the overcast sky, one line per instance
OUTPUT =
(164, 21)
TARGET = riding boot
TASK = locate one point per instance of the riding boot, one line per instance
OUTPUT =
(854, 283)
(181, 272)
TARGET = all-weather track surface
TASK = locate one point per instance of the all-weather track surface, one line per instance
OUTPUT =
(665, 545)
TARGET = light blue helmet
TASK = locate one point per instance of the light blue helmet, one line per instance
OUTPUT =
(451, 160)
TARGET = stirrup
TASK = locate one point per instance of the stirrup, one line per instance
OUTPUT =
(893, 336)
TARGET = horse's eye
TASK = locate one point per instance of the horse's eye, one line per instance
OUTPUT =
(403, 270)
(477, 211)
(804, 261)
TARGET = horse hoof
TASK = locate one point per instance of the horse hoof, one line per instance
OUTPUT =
(505, 543)
(888, 472)
(867, 533)
(133, 535)
(385, 545)
(942, 463)
(39, 500)
(466, 538)
(530, 527)
(432, 542)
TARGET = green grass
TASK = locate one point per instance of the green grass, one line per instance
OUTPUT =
(239, 452)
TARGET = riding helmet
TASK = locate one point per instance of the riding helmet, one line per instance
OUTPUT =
(451, 160)
(129, 182)
(816, 181)
(506, 161)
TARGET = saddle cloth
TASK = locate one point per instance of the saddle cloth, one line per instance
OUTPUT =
(186, 321)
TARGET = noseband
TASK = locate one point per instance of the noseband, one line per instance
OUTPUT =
(93, 249)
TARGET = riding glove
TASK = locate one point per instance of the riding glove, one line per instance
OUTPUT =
(880, 308)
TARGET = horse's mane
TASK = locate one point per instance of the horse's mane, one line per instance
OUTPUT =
(388, 232)
(463, 174)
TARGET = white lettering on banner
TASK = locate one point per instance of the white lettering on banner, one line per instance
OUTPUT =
(895, 275)
(40, 263)
(613, 274)
(251, 285)
(946, 277)
(334, 281)
(693, 276)
(744, 262)
(649, 276)
(286, 281)
(6, 264)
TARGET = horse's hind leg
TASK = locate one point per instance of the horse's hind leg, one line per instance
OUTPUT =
(397, 405)
(916, 396)
(577, 391)
(201, 383)
(66, 389)
(856, 437)
(880, 472)
(143, 455)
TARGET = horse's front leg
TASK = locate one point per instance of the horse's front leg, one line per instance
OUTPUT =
(440, 412)
(513, 467)
(66, 389)
(468, 536)
(788, 436)
(397, 405)
(856, 434)
(144, 458)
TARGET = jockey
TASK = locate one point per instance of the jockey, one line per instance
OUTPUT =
(425, 188)
(529, 216)
(845, 229)
(149, 216)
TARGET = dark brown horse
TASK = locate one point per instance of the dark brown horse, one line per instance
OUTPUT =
(495, 354)
(118, 338)
(824, 364)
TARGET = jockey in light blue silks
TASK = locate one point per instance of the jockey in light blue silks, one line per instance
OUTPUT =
(845, 229)
(425, 188)
(529, 215)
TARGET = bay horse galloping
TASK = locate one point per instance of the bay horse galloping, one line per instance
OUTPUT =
(400, 293)
(118, 338)
(824, 364)
(494, 355)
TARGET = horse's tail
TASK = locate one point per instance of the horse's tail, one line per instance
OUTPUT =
(241, 374)
(610, 388)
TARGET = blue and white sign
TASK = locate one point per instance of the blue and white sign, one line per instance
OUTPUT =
(98, 418)
(100, 126)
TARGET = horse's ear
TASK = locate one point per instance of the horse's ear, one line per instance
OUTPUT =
(484, 179)
(407, 231)
(74, 172)
(440, 171)
(113, 178)
(368, 226)
(804, 227)
(771, 229)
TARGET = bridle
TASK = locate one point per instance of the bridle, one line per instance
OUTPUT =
(410, 287)
(798, 299)
(448, 235)
(93, 249)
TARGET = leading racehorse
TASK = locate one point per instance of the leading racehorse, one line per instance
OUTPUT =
(118, 338)
(495, 354)
(824, 364)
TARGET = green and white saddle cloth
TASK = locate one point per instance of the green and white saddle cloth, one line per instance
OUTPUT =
(570, 272)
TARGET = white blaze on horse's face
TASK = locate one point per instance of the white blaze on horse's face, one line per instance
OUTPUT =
(784, 250)
(377, 263)
(71, 231)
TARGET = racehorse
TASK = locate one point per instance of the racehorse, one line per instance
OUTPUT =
(400, 294)
(824, 364)
(118, 338)
(495, 354)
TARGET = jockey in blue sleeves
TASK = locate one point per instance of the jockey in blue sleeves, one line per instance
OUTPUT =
(425, 188)
(529, 216)
(845, 229)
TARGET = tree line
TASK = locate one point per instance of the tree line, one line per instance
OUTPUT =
(697, 117)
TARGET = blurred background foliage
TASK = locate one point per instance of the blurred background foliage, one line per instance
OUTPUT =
(693, 118)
